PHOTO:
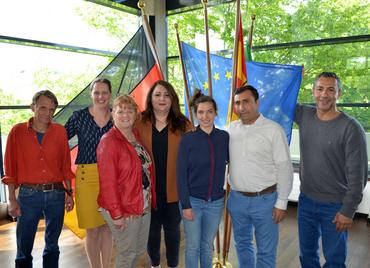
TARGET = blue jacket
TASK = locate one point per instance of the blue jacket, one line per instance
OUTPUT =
(201, 164)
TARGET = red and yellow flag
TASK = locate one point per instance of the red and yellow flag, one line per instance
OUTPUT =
(240, 71)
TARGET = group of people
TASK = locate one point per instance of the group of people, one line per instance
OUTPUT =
(141, 172)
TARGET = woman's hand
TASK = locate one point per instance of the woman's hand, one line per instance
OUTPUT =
(119, 224)
(188, 214)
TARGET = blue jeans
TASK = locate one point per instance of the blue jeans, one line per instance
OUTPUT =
(250, 214)
(315, 221)
(33, 205)
(200, 232)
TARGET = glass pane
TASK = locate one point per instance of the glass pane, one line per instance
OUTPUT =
(71, 22)
(277, 21)
(281, 21)
(175, 77)
(26, 70)
(350, 61)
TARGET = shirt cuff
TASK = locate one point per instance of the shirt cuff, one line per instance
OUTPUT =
(8, 180)
(114, 212)
(281, 204)
(347, 211)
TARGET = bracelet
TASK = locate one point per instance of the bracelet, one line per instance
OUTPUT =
(68, 191)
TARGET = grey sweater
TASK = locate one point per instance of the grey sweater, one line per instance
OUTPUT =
(333, 165)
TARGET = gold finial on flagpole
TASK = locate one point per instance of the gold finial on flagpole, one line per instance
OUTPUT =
(250, 34)
(141, 4)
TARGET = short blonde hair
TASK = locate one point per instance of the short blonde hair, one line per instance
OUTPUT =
(122, 100)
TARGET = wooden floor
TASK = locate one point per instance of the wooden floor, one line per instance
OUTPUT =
(73, 254)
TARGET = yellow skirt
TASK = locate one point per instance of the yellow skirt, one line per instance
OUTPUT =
(87, 190)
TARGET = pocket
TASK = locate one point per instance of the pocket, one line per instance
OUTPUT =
(56, 196)
(229, 202)
(26, 192)
(272, 197)
(219, 203)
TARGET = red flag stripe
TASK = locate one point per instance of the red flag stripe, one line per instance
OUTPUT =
(140, 92)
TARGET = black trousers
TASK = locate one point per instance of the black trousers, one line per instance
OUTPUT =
(166, 215)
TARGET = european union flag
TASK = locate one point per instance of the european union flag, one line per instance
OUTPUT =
(277, 84)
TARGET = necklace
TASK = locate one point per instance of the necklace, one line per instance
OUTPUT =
(161, 121)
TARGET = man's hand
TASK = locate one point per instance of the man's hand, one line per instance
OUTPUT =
(188, 214)
(69, 203)
(119, 224)
(342, 222)
(14, 209)
(278, 215)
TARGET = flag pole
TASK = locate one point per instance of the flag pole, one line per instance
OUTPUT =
(217, 263)
(250, 34)
(227, 219)
(149, 34)
(187, 95)
(235, 58)
(205, 2)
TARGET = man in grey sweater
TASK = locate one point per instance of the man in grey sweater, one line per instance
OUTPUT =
(333, 174)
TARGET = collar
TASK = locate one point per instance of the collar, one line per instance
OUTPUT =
(198, 129)
(30, 123)
(259, 121)
(120, 136)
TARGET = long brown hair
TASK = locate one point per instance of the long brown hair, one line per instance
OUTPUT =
(175, 118)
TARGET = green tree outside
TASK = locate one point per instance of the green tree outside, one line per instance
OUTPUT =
(284, 21)
(278, 21)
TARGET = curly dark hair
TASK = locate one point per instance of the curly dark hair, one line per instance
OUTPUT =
(175, 118)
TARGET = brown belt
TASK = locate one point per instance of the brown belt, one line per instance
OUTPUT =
(46, 187)
(267, 190)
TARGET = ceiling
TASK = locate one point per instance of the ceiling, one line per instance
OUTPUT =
(175, 6)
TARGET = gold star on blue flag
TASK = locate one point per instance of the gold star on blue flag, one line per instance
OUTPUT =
(205, 85)
(277, 85)
(228, 75)
(216, 76)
